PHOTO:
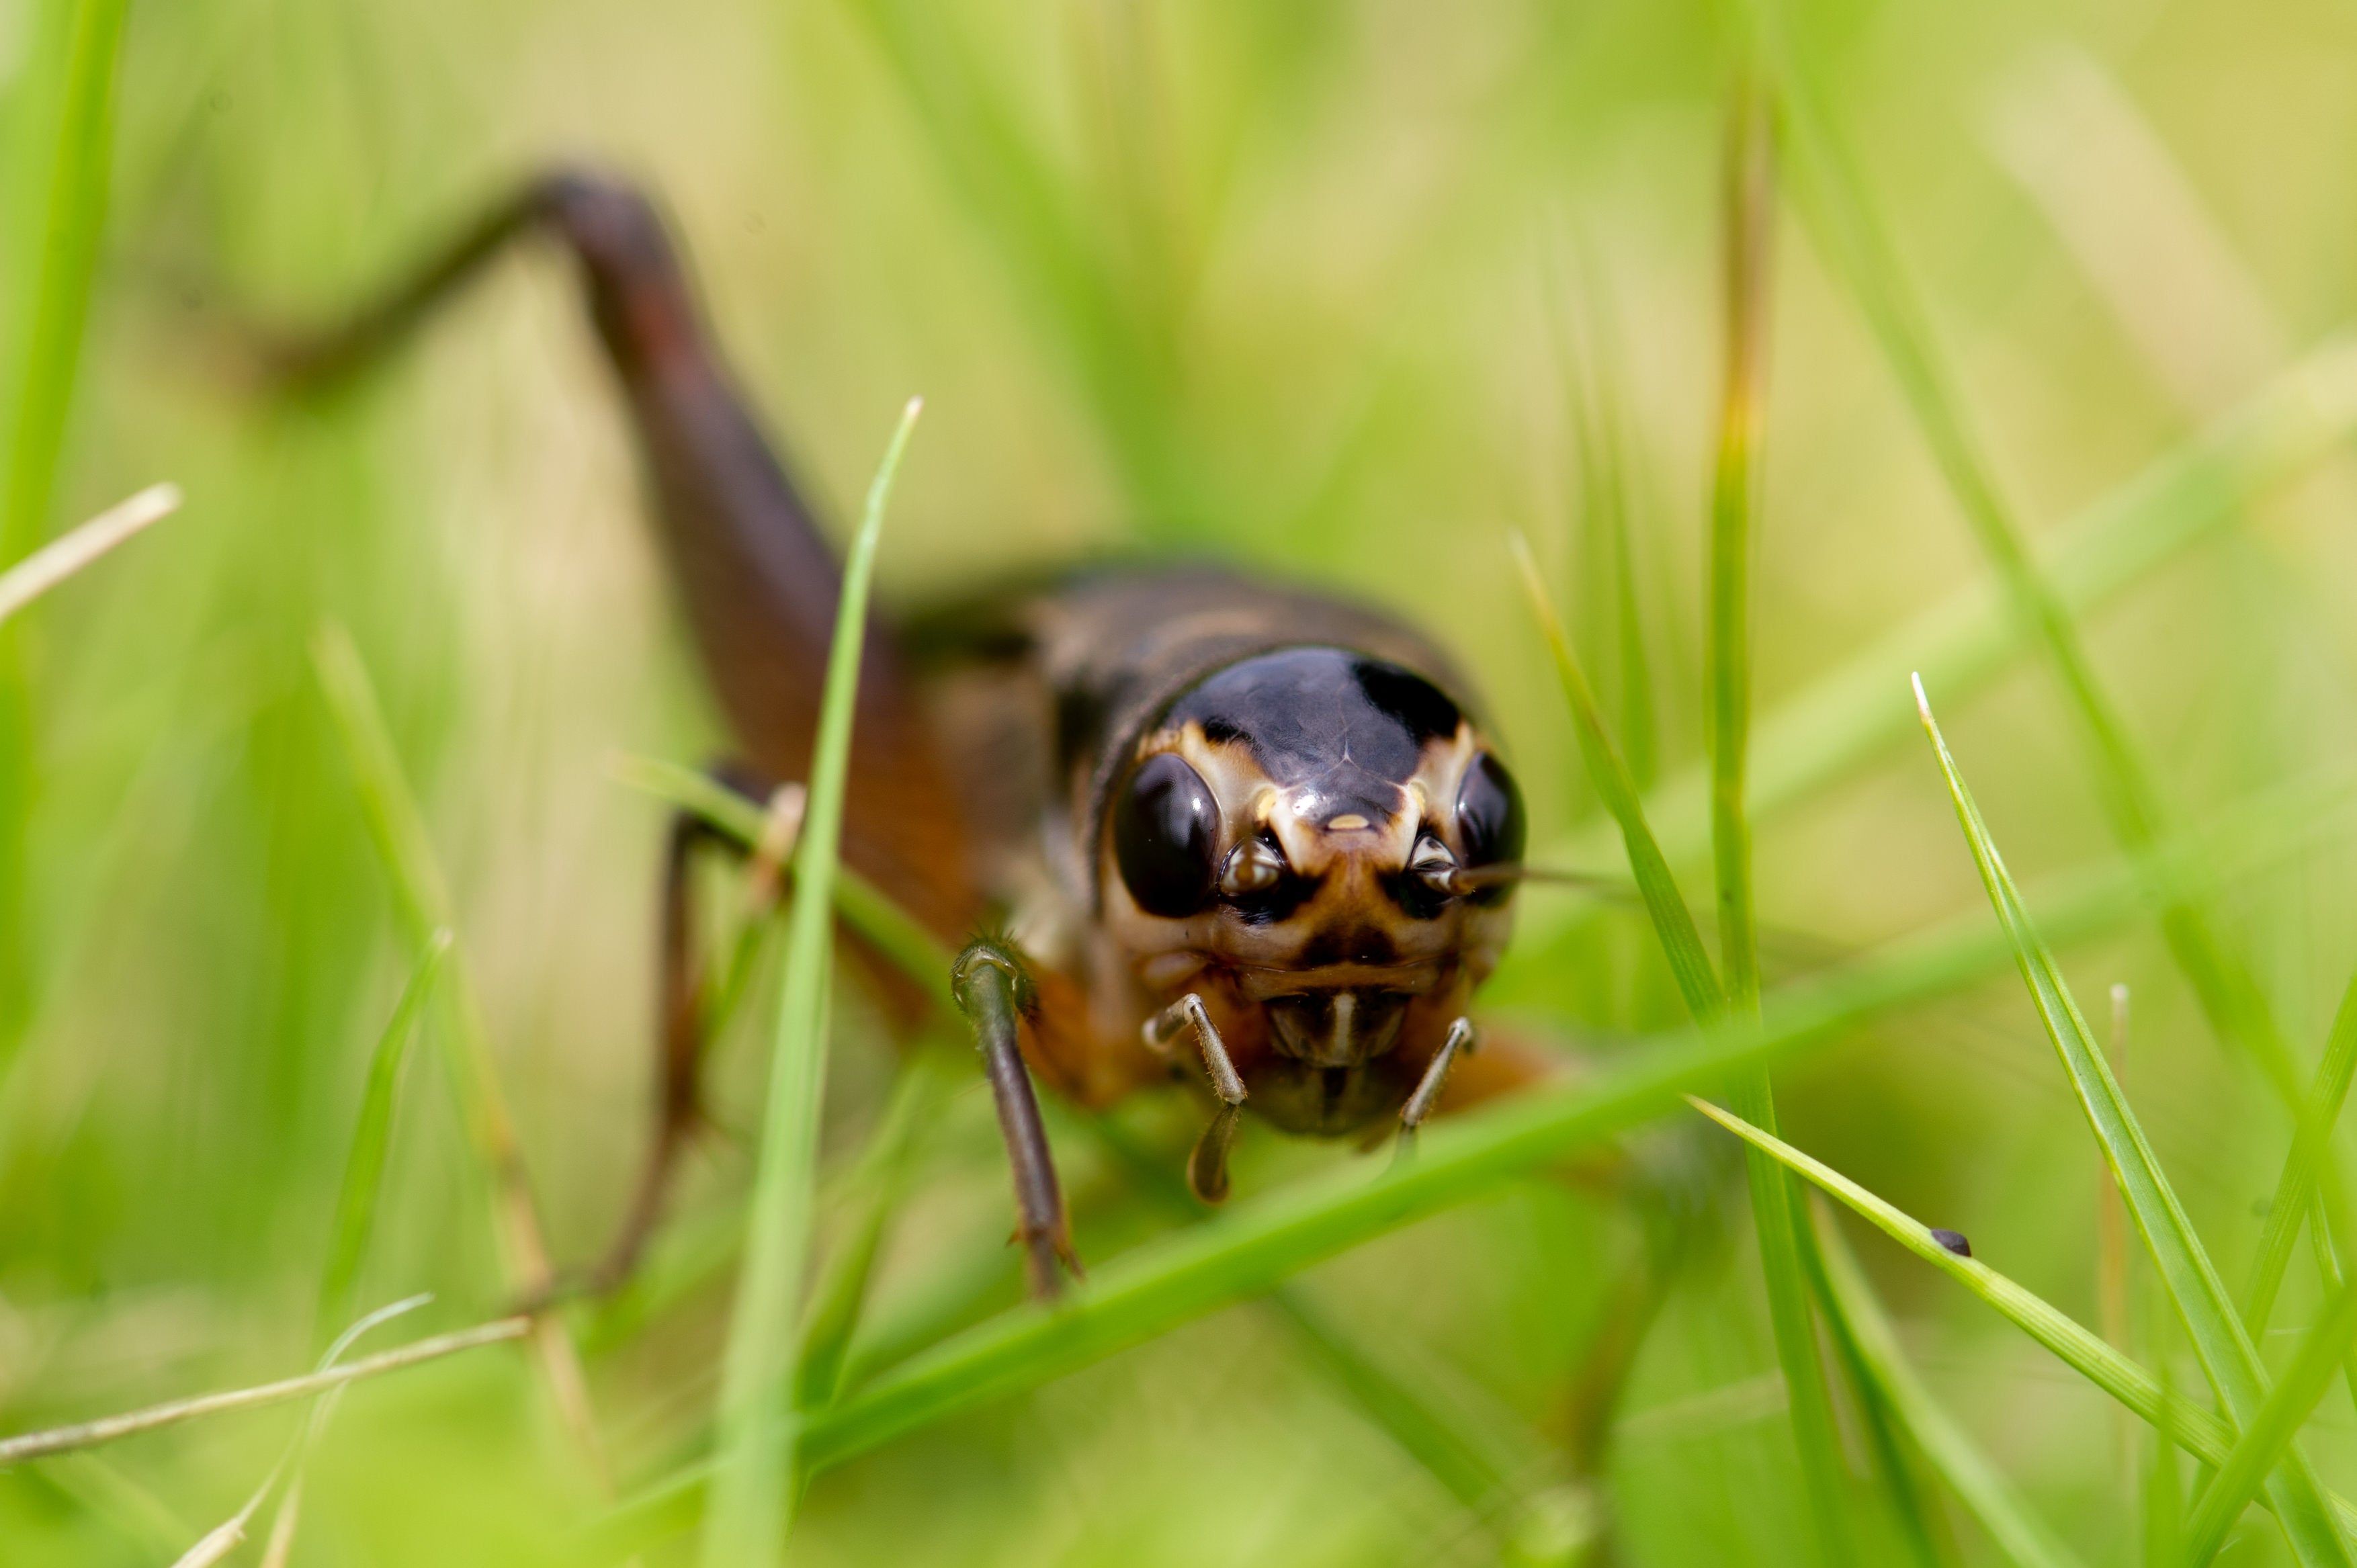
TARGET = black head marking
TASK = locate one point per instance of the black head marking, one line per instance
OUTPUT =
(1414, 701)
(1354, 726)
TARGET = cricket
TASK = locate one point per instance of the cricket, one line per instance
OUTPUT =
(1575, 792)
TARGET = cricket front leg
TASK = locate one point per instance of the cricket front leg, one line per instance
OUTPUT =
(1207, 1166)
(993, 990)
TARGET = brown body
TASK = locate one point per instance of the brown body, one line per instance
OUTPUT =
(1045, 702)
(990, 747)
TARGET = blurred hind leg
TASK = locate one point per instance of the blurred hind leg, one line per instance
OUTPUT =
(757, 577)
(685, 1015)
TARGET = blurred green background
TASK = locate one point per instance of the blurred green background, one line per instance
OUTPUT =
(1341, 292)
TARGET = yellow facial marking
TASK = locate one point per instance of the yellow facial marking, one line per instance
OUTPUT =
(1349, 822)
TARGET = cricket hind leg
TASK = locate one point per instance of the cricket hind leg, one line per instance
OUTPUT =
(995, 991)
(683, 998)
(759, 581)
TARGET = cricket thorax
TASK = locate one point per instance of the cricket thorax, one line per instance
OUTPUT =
(1300, 838)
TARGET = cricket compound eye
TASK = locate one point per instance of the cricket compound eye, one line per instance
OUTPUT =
(1165, 827)
(1489, 821)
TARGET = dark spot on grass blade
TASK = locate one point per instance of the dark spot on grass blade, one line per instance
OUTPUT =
(1953, 1241)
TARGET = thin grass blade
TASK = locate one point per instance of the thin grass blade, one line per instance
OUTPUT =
(2311, 1147)
(1813, 1431)
(107, 1429)
(65, 125)
(1748, 222)
(1484, 1458)
(61, 558)
(1255, 1244)
(2019, 1533)
(356, 1200)
(1844, 719)
(895, 933)
(422, 899)
(2185, 1270)
(2182, 1423)
(753, 1488)
(881, 1181)
(2322, 1352)
(61, 125)
(1673, 922)
(1263, 1240)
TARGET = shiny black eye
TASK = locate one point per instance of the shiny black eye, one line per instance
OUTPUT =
(1164, 828)
(1489, 821)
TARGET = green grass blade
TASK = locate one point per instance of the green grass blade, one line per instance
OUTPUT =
(2185, 1270)
(356, 1200)
(1844, 719)
(1748, 223)
(2311, 1147)
(1673, 921)
(2328, 1270)
(1813, 1431)
(2188, 1425)
(61, 125)
(881, 1181)
(1025, 208)
(421, 902)
(1249, 1248)
(895, 933)
(752, 1484)
(1267, 1238)
(2019, 1534)
(1859, 249)
(1483, 1463)
(2322, 1353)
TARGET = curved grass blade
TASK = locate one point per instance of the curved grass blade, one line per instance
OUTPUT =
(2311, 1147)
(1673, 921)
(422, 900)
(752, 1480)
(356, 1200)
(1241, 1253)
(2020, 1534)
(2188, 1425)
(1271, 1237)
(2322, 1353)
(1814, 1431)
(2185, 1270)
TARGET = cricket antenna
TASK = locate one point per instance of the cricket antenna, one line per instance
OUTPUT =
(1475, 878)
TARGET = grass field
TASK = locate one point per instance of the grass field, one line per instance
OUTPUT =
(2053, 410)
